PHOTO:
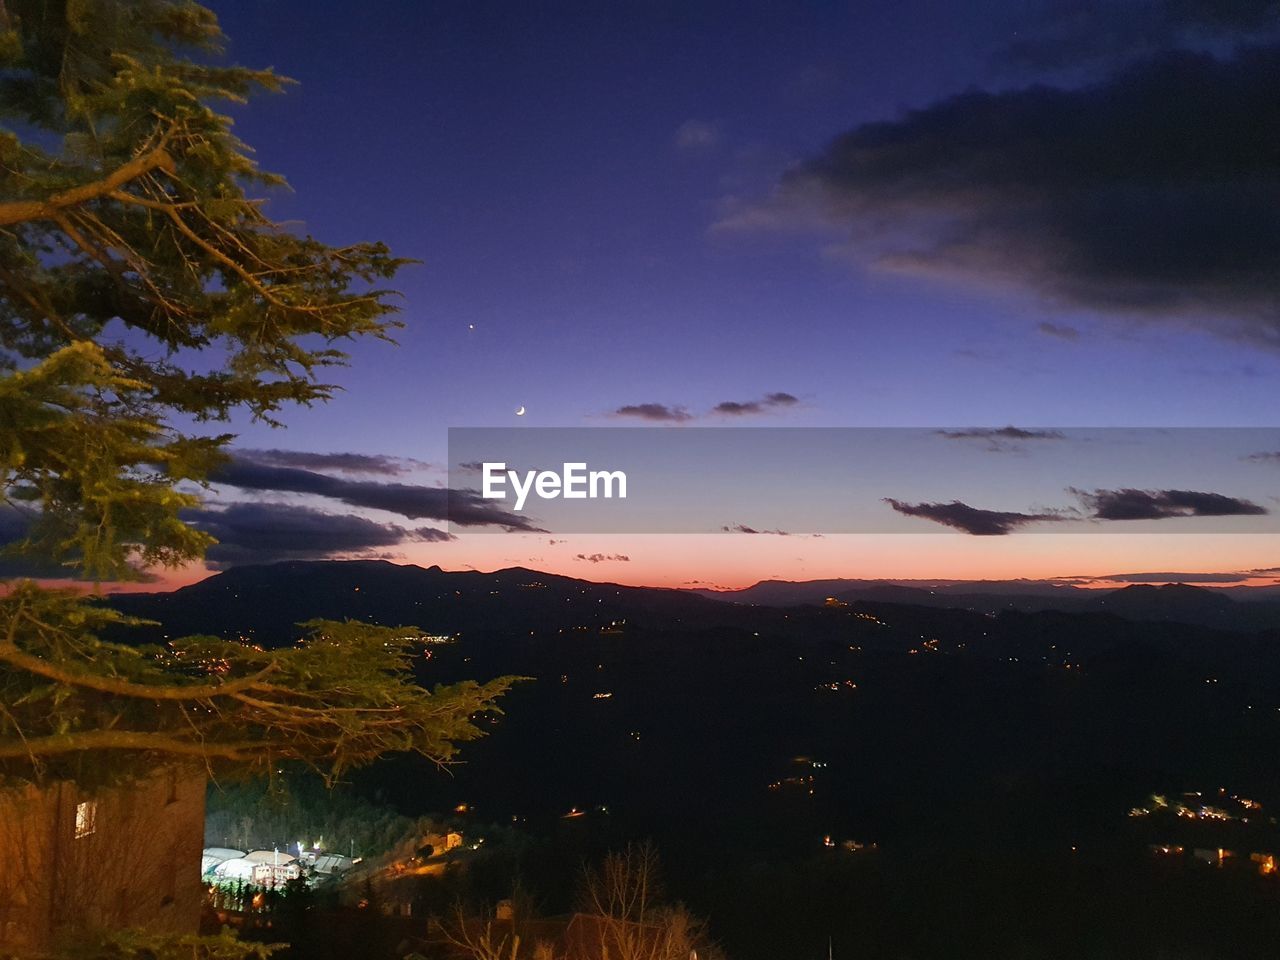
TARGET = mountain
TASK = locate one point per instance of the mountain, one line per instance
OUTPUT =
(1232, 608)
(1176, 602)
(265, 602)
(751, 742)
(273, 598)
(791, 592)
(932, 725)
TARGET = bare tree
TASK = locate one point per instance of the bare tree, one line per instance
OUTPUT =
(488, 938)
(623, 898)
(626, 885)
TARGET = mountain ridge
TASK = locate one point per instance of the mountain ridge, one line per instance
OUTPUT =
(381, 590)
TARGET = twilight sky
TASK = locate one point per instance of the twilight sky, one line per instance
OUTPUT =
(892, 213)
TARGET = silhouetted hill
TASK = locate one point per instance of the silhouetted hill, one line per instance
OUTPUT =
(1257, 609)
(266, 601)
(1178, 602)
(744, 739)
(792, 592)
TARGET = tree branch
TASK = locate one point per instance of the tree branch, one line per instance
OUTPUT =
(11, 654)
(23, 211)
(124, 740)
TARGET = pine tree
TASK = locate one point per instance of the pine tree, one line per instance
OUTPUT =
(145, 292)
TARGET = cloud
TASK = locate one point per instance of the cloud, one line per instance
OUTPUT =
(770, 401)
(698, 135)
(603, 557)
(657, 412)
(1083, 33)
(664, 413)
(1269, 456)
(1149, 196)
(1001, 439)
(1126, 504)
(266, 532)
(247, 533)
(432, 535)
(15, 526)
(14, 523)
(972, 520)
(463, 507)
(743, 528)
(1061, 331)
(375, 463)
(1130, 504)
(1161, 578)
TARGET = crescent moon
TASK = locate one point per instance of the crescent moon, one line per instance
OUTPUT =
(520, 412)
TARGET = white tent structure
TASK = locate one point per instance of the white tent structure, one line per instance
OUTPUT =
(237, 868)
(213, 856)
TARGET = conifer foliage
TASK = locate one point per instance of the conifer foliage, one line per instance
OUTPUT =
(145, 293)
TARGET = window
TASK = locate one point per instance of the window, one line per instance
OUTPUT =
(86, 818)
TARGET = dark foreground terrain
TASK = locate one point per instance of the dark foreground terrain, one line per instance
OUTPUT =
(908, 780)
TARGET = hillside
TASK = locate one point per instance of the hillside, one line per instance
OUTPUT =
(739, 737)
(1239, 608)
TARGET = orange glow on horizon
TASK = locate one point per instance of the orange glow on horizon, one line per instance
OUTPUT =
(734, 561)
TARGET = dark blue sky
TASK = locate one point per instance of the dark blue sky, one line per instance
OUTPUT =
(533, 161)
(601, 198)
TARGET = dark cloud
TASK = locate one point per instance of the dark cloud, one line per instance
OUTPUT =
(603, 557)
(743, 528)
(1126, 504)
(1130, 504)
(1001, 439)
(657, 412)
(769, 401)
(247, 533)
(15, 525)
(1059, 330)
(664, 413)
(1270, 456)
(1001, 433)
(375, 463)
(463, 507)
(19, 561)
(1083, 33)
(265, 532)
(973, 520)
(432, 535)
(1162, 578)
(736, 408)
(1149, 195)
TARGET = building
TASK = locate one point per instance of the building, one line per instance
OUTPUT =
(271, 868)
(75, 862)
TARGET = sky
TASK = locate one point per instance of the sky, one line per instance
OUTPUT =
(875, 214)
